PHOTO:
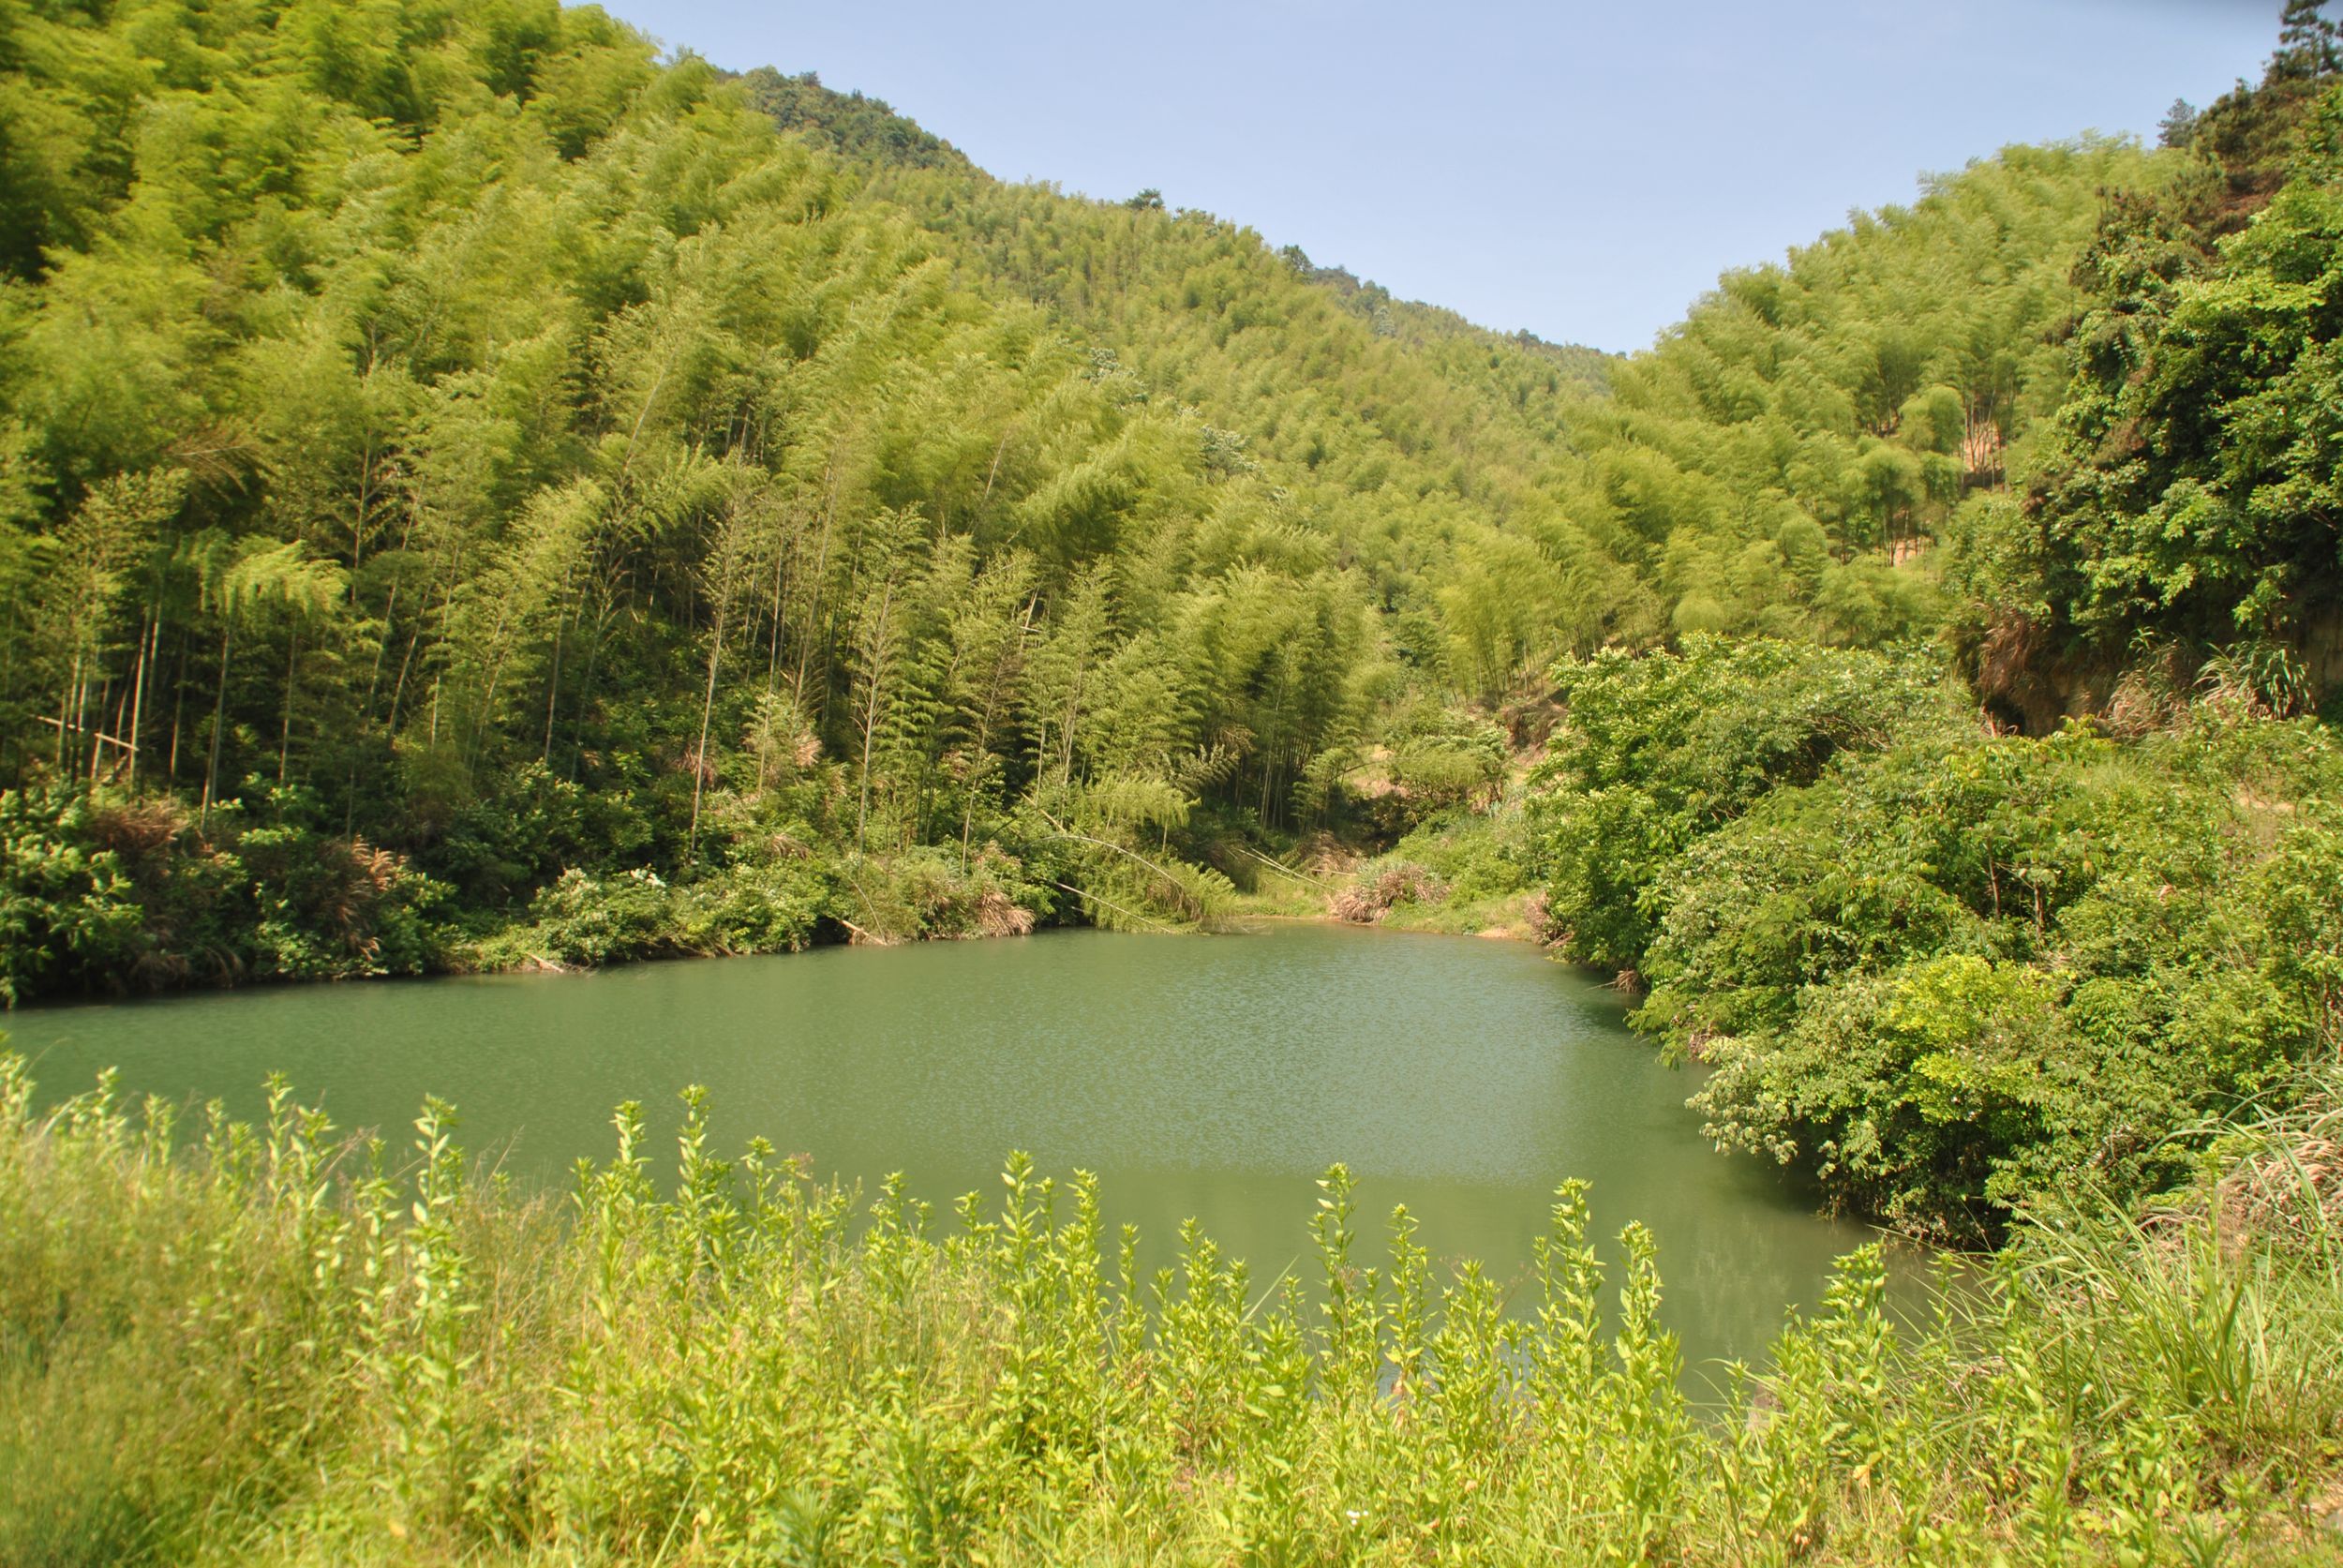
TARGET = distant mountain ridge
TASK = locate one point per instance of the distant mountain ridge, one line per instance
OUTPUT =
(870, 132)
(857, 128)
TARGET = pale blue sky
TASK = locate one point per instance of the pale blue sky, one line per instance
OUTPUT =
(1582, 169)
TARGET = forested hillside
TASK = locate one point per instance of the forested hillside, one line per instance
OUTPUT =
(454, 452)
(1771, 461)
(476, 494)
(519, 456)
(1950, 969)
(2184, 506)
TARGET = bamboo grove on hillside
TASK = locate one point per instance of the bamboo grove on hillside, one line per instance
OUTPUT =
(422, 420)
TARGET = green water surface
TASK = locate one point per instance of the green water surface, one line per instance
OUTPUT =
(1215, 1077)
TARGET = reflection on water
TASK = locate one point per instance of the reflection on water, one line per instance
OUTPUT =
(1213, 1076)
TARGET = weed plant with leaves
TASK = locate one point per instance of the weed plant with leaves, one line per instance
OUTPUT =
(223, 1342)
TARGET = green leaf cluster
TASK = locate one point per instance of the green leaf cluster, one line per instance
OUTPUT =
(102, 892)
(2182, 505)
(1656, 753)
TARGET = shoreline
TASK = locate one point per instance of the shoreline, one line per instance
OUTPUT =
(464, 955)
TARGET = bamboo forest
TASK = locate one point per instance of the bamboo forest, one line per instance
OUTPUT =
(488, 502)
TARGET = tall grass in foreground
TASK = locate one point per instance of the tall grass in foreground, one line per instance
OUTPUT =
(266, 1347)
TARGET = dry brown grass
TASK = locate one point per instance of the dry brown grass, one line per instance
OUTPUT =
(1372, 896)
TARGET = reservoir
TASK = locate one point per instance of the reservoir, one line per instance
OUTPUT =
(1213, 1077)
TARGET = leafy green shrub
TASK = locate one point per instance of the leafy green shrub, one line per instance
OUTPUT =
(528, 827)
(326, 907)
(1478, 855)
(1918, 1087)
(772, 908)
(119, 894)
(1658, 750)
(1454, 872)
(68, 911)
(338, 911)
(781, 904)
(1949, 977)
(591, 920)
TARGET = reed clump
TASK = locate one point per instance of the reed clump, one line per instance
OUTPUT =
(262, 1344)
(1377, 891)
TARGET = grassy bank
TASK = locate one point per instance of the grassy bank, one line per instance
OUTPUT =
(268, 1347)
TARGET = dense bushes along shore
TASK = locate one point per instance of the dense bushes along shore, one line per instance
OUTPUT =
(1945, 968)
(108, 893)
